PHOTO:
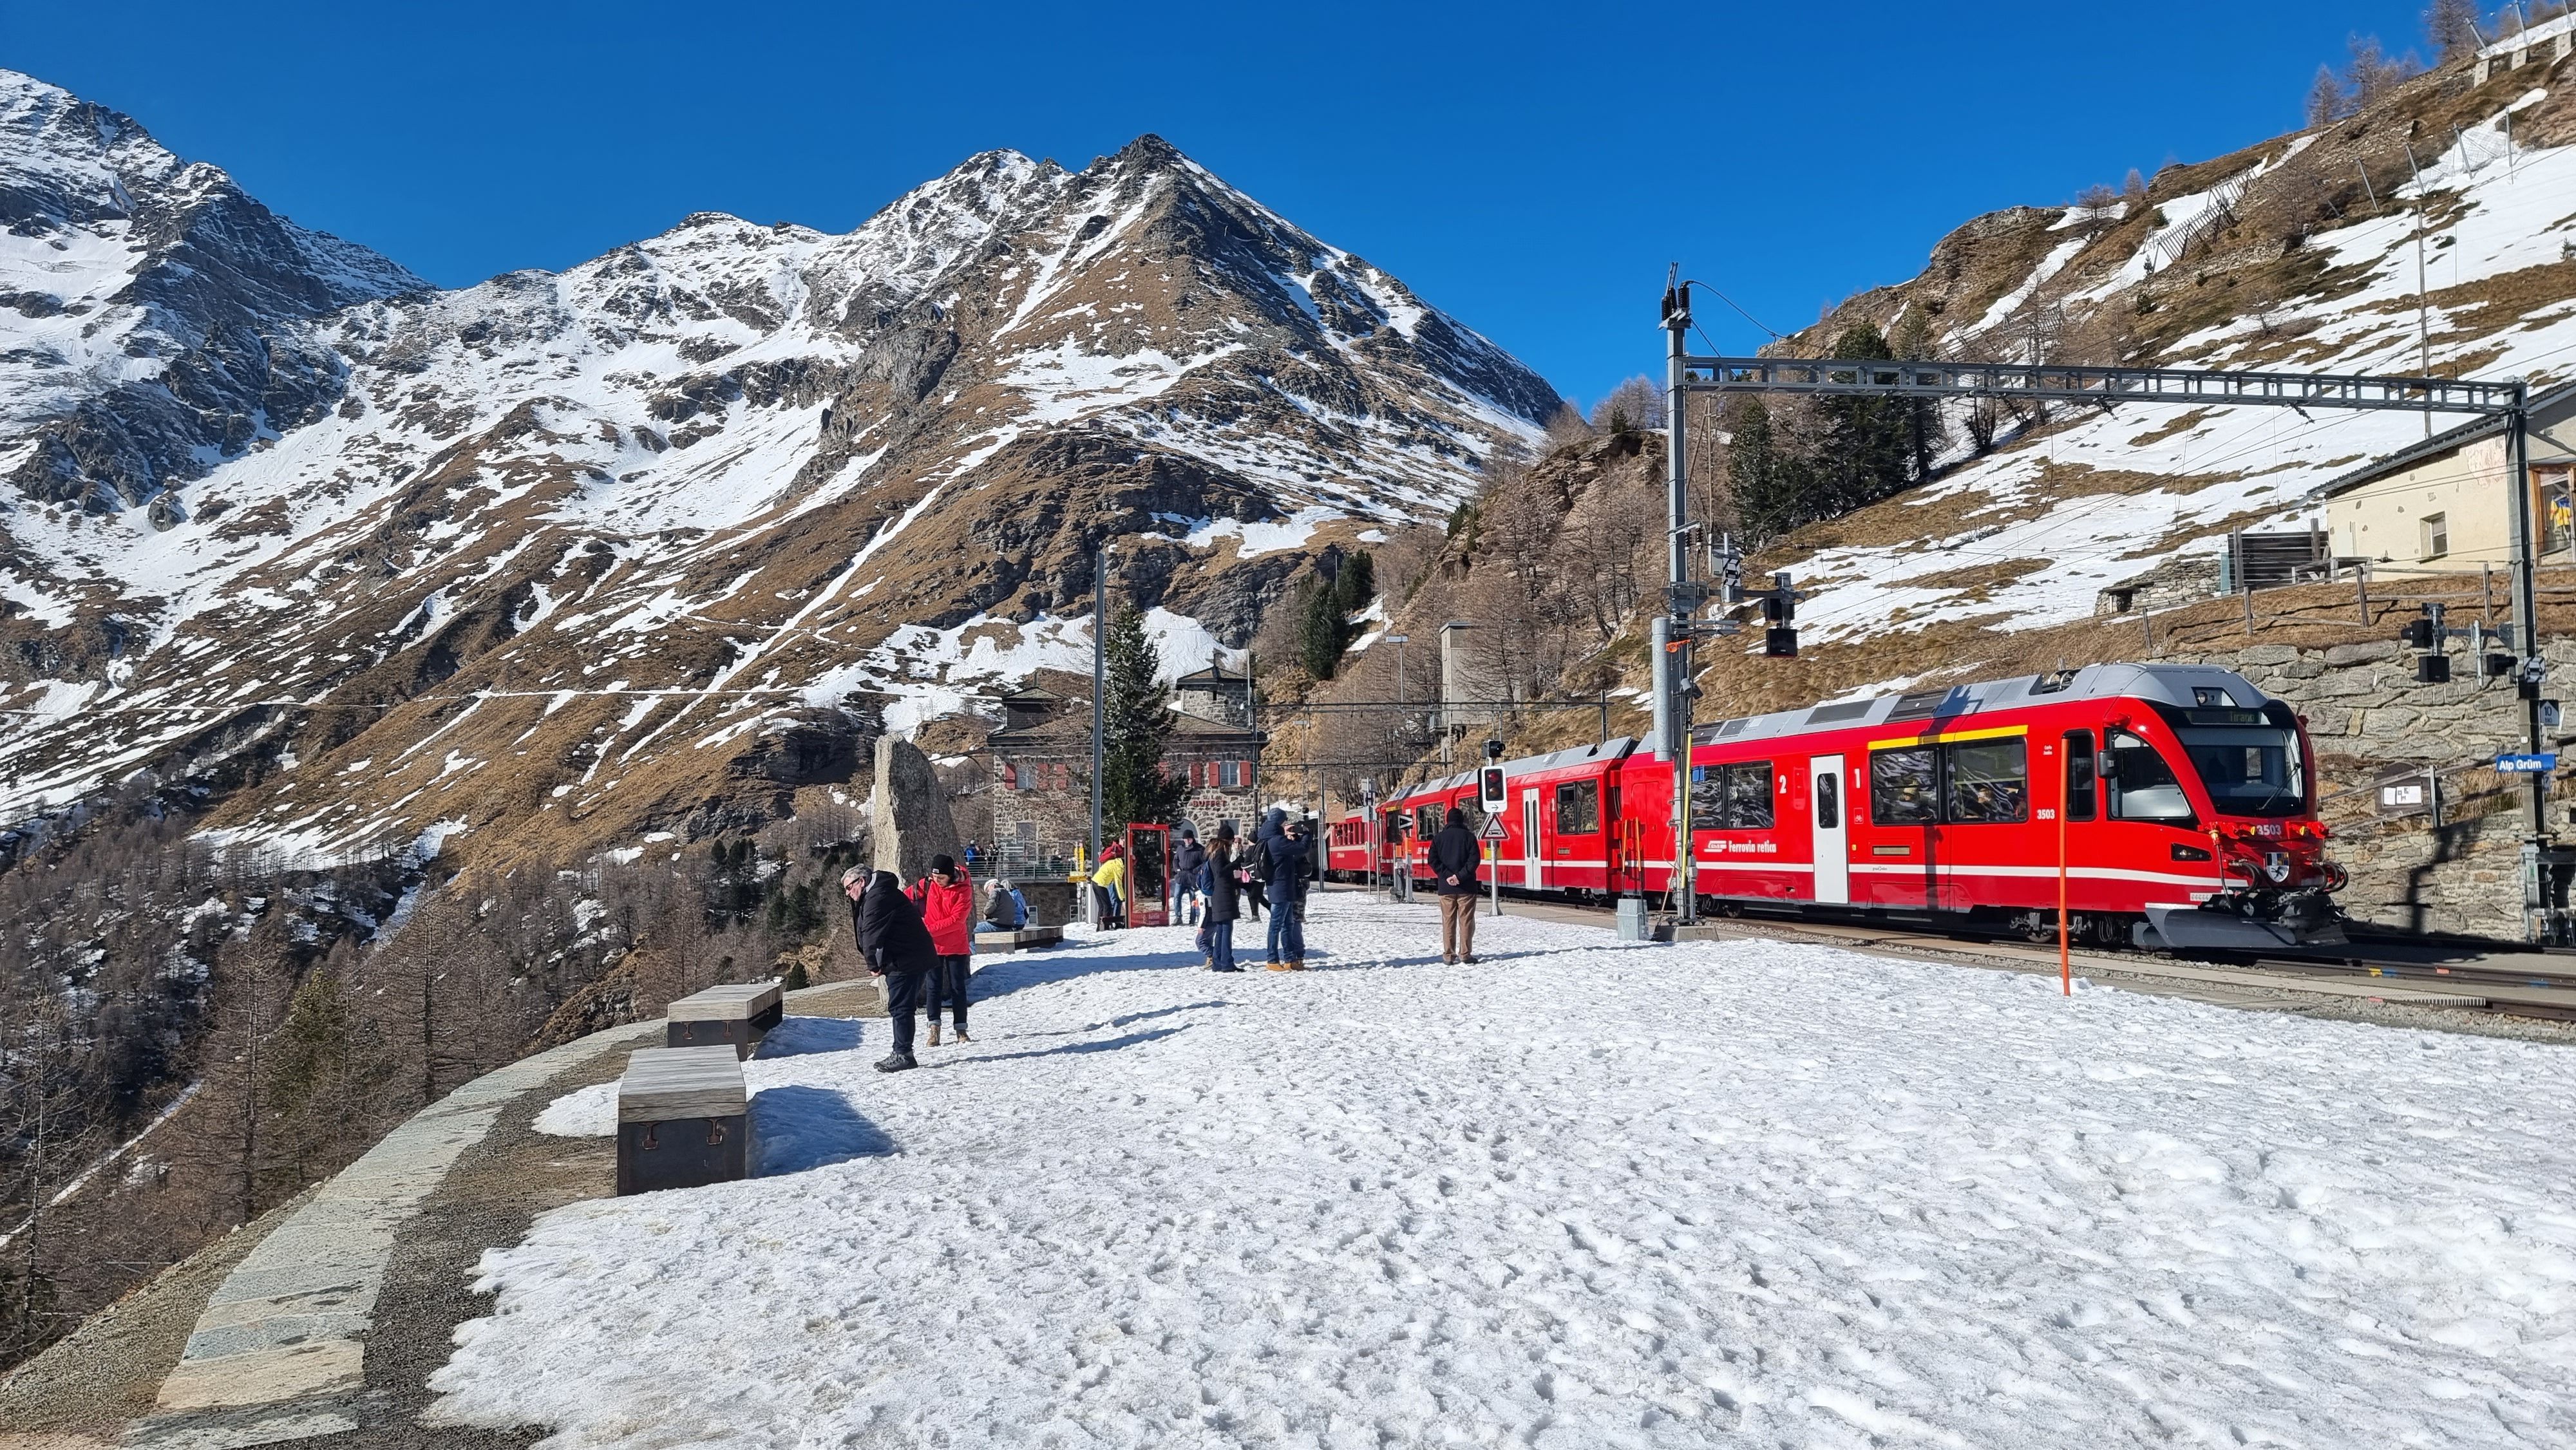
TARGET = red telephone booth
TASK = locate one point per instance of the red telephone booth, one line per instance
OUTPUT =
(1149, 875)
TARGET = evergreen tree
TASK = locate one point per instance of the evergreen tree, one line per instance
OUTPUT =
(1137, 725)
(1354, 587)
(1767, 485)
(1866, 455)
(1925, 436)
(1319, 630)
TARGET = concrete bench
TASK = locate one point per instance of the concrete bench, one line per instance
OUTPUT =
(737, 1016)
(683, 1119)
(1018, 941)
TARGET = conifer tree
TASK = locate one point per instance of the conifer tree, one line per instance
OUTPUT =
(1865, 455)
(1319, 630)
(1925, 436)
(1137, 724)
(1769, 497)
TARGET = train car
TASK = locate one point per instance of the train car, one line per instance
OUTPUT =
(2177, 801)
(1561, 822)
(1423, 809)
(1346, 848)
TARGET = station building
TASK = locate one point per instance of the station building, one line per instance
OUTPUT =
(1042, 768)
(2443, 506)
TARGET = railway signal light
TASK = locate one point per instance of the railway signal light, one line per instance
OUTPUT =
(2432, 669)
(2417, 633)
(1780, 643)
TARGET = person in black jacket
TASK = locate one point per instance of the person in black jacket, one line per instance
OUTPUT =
(1189, 892)
(1286, 866)
(1453, 872)
(1224, 900)
(896, 946)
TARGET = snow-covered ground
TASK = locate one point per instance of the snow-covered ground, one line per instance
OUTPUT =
(1579, 1194)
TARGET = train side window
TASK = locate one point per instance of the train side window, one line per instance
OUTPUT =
(1578, 808)
(1748, 796)
(2143, 787)
(1905, 786)
(2080, 789)
(1989, 781)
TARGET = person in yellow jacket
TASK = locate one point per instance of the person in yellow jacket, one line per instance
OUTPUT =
(1110, 884)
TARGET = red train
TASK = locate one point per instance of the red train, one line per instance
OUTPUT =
(2178, 799)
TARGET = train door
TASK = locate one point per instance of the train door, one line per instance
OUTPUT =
(1532, 868)
(1832, 833)
(1904, 810)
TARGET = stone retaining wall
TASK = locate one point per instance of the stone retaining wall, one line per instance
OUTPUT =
(2367, 715)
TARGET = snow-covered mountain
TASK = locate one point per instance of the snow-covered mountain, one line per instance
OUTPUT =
(2301, 254)
(157, 321)
(493, 554)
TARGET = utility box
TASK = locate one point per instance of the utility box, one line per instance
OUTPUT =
(683, 1119)
(1632, 924)
(735, 1016)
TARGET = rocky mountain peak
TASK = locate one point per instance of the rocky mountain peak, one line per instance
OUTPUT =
(604, 534)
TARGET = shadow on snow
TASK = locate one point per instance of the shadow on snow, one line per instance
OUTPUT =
(795, 1128)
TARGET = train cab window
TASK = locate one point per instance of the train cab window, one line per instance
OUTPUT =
(1989, 781)
(1905, 786)
(2080, 789)
(2143, 787)
(1578, 808)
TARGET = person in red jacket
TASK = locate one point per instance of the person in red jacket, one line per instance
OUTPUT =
(947, 902)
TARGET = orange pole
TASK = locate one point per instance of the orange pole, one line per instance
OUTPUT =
(2065, 962)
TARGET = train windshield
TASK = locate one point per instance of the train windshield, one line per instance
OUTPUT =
(2252, 770)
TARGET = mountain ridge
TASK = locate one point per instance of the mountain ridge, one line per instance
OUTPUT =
(861, 473)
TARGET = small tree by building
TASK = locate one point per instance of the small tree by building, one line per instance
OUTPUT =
(1137, 724)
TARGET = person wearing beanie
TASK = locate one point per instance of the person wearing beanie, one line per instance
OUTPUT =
(947, 903)
(1225, 893)
(897, 949)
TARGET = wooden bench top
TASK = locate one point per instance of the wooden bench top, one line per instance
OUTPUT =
(716, 1004)
(1027, 936)
(663, 1083)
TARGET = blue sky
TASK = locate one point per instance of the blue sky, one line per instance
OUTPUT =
(1529, 169)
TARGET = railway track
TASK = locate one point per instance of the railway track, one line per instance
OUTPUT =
(2458, 976)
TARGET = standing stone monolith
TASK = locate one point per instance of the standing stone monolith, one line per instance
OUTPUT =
(909, 818)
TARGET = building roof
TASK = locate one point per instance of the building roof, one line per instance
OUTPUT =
(1215, 676)
(2441, 443)
(1189, 732)
(1933, 709)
